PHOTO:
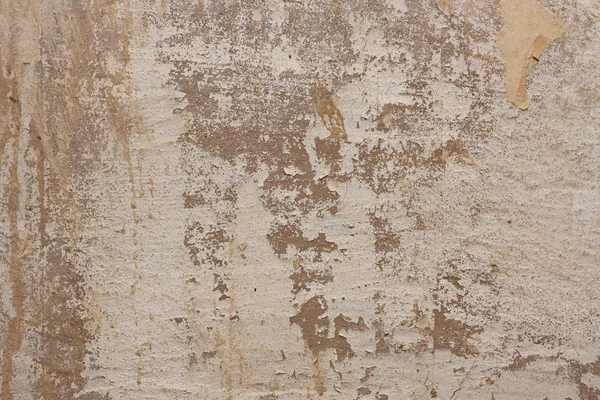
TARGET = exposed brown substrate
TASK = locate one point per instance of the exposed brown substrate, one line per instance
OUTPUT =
(314, 325)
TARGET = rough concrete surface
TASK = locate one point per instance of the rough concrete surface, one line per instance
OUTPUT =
(299, 199)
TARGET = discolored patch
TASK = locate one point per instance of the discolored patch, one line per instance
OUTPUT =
(460, 287)
(453, 335)
(519, 362)
(315, 324)
(382, 165)
(401, 117)
(282, 236)
(303, 192)
(330, 115)
(303, 278)
(576, 372)
(386, 239)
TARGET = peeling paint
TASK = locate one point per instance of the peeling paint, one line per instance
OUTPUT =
(299, 199)
(528, 30)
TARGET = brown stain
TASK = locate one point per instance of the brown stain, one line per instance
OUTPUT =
(193, 200)
(456, 280)
(319, 379)
(330, 115)
(282, 236)
(36, 143)
(123, 117)
(64, 333)
(384, 341)
(120, 124)
(386, 239)
(76, 40)
(321, 30)
(16, 325)
(222, 345)
(94, 396)
(260, 120)
(332, 366)
(453, 335)
(306, 194)
(314, 326)
(402, 117)
(5, 104)
(446, 5)
(236, 360)
(329, 150)
(207, 193)
(369, 372)
(466, 8)
(576, 370)
(11, 113)
(209, 246)
(438, 157)
(303, 277)
(139, 376)
(519, 362)
(343, 323)
(274, 384)
(262, 126)
(382, 165)
(221, 287)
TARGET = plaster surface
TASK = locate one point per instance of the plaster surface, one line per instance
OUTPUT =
(299, 199)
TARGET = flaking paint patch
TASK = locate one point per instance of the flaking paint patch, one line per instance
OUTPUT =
(314, 325)
(528, 30)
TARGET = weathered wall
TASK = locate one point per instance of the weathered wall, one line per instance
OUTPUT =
(288, 199)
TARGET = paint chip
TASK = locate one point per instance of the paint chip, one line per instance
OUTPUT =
(528, 30)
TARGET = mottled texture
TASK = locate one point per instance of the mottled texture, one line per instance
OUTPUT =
(327, 199)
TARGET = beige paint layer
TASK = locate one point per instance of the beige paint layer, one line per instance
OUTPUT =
(527, 31)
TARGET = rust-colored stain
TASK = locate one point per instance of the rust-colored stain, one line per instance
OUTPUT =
(330, 115)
